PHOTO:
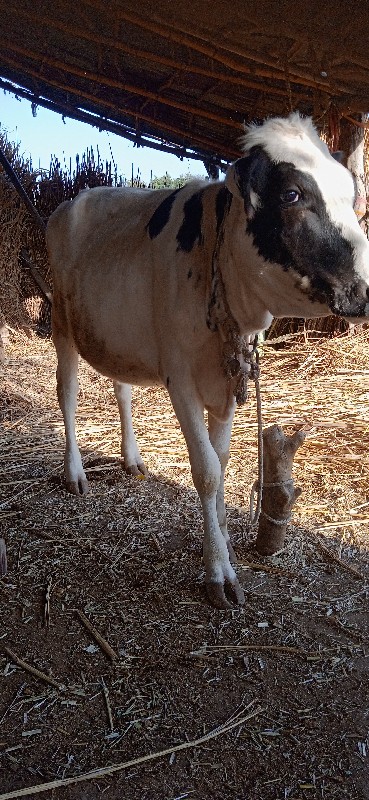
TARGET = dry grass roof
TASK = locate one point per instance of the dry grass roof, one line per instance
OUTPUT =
(188, 77)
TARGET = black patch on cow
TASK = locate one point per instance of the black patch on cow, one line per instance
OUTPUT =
(190, 231)
(223, 203)
(340, 156)
(302, 236)
(161, 215)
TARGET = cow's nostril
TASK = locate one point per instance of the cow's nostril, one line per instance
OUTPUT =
(367, 293)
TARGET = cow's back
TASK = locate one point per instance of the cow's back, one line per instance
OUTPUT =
(101, 213)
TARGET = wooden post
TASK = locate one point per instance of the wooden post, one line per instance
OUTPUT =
(279, 493)
(352, 141)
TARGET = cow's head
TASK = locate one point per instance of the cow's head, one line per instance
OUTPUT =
(299, 204)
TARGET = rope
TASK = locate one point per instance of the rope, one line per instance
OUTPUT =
(280, 522)
(254, 374)
(254, 517)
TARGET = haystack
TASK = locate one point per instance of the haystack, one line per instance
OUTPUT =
(22, 305)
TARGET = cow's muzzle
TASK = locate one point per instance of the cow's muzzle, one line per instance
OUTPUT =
(352, 302)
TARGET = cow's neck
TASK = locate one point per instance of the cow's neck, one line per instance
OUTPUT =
(242, 273)
(236, 345)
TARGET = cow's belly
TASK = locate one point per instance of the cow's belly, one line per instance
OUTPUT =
(118, 352)
(120, 367)
(113, 331)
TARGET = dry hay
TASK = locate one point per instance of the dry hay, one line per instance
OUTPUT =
(21, 303)
(13, 233)
(288, 670)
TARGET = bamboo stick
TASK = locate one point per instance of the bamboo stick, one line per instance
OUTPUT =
(125, 87)
(105, 771)
(118, 128)
(213, 52)
(187, 38)
(145, 55)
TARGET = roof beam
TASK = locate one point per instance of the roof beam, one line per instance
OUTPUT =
(64, 67)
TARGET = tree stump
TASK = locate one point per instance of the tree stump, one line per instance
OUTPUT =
(279, 492)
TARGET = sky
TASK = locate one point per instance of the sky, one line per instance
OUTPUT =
(47, 135)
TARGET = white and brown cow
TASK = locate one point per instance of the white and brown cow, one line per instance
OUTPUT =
(156, 287)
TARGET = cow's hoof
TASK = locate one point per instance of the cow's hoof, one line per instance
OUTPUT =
(236, 593)
(217, 593)
(79, 488)
(137, 470)
(231, 553)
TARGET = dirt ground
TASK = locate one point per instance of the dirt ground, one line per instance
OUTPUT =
(281, 684)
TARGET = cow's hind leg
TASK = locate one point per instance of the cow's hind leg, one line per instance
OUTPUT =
(133, 463)
(67, 388)
(220, 437)
(220, 576)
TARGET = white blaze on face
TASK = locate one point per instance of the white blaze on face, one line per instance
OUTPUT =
(295, 140)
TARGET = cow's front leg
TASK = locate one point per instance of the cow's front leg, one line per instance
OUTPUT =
(220, 437)
(67, 389)
(220, 576)
(133, 463)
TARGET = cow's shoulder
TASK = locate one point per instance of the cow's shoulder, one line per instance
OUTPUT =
(186, 214)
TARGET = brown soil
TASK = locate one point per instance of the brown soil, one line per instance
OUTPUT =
(294, 659)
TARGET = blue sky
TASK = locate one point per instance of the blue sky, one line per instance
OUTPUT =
(46, 135)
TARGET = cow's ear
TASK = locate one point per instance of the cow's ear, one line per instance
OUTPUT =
(247, 178)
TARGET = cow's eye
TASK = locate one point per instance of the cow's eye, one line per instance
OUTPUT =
(290, 196)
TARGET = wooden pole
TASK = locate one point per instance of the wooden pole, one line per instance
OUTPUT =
(22, 193)
(279, 492)
(352, 142)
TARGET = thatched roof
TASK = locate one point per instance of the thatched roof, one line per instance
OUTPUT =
(188, 75)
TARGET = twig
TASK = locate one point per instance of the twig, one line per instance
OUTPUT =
(99, 773)
(274, 648)
(32, 670)
(105, 646)
(3, 560)
(107, 703)
(332, 557)
(47, 600)
(15, 698)
(157, 543)
(58, 540)
(264, 568)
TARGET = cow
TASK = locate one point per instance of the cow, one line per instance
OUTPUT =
(163, 287)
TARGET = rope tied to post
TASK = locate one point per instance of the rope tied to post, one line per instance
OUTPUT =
(254, 517)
